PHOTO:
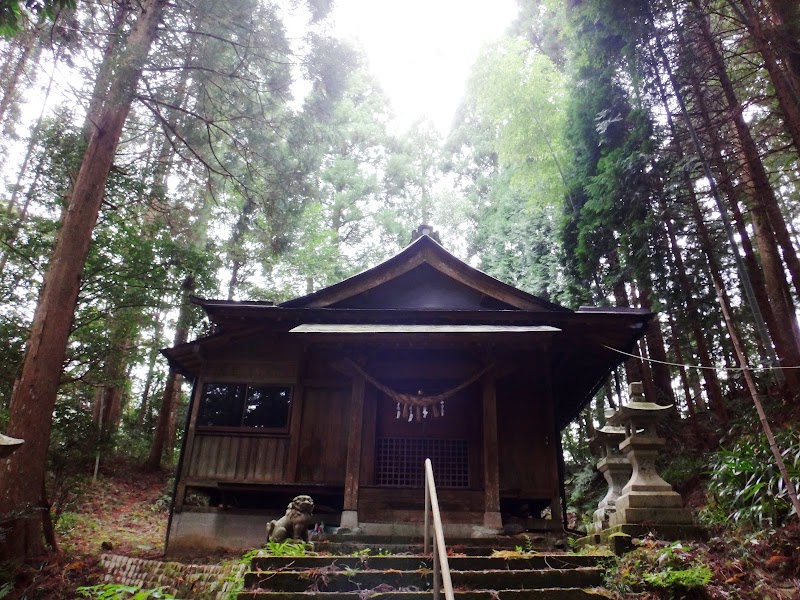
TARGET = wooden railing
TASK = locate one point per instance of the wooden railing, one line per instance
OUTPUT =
(441, 567)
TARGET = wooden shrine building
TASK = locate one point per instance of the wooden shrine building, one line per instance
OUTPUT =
(342, 394)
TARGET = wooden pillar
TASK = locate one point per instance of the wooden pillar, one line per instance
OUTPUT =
(491, 465)
(185, 459)
(296, 418)
(353, 467)
(553, 449)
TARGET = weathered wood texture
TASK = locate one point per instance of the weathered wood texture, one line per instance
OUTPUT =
(491, 480)
(397, 505)
(245, 459)
(422, 365)
(356, 418)
(525, 430)
(252, 372)
(371, 399)
(323, 435)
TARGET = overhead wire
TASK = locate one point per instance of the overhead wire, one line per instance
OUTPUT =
(685, 366)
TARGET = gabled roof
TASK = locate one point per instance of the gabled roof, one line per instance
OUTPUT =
(426, 289)
(424, 276)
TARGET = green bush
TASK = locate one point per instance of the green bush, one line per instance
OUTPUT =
(670, 570)
(585, 486)
(114, 591)
(74, 444)
(745, 484)
(286, 548)
(687, 579)
(6, 589)
(681, 467)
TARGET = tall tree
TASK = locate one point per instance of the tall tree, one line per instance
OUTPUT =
(12, 13)
(507, 151)
(22, 482)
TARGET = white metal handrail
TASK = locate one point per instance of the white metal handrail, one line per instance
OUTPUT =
(441, 567)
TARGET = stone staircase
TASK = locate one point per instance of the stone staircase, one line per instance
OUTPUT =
(397, 570)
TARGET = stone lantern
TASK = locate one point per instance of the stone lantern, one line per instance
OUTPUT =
(615, 468)
(646, 499)
(8, 445)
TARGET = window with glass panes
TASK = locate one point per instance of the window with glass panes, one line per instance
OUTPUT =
(244, 405)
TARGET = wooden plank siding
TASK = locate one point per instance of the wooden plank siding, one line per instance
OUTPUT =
(241, 459)
(387, 505)
(322, 454)
(526, 457)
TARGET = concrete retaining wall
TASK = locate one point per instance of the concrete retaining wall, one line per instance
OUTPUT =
(195, 533)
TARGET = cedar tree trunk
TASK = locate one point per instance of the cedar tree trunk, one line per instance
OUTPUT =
(173, 384)
(31, 410)
(764, 210)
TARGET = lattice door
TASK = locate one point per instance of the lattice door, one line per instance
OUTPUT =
(399, 462)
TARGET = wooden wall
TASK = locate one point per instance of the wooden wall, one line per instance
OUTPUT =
(387, 505)
(322, 450)
(313, 450)
(525, 438)
(243, 459)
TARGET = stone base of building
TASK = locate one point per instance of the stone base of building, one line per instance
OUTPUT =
(200, 531)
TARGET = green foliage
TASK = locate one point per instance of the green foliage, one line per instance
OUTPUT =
(67, 521)
(286, 548)
(114, 591)
(683, 579)
(585, 486)
(248, 556)
(520, 94)
(527, 546)
(608, 230)
(679, 468)
(745, 484)
(507, 151)
(74, 441)
(165, 499)
(671, 569)
(74, 444)
(12, 15)
(609, 558)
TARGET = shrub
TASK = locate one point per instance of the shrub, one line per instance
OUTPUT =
(286, 548)
(585, 487)
(745, 483)
(669, 570)
(687, 579)
(113, 591)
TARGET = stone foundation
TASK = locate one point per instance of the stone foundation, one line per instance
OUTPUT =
(194, 533)
(200, 531)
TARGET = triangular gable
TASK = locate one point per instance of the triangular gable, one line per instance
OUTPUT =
(424, 276)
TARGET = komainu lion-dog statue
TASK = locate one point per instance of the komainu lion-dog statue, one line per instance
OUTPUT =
(295, 523)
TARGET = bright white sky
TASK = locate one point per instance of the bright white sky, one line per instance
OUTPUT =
(421, 50)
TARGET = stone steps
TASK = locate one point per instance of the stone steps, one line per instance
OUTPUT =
(326, 580)
(411, 562)
(553, 576)
(378, 594)
(485, 546)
